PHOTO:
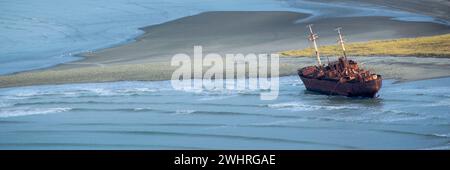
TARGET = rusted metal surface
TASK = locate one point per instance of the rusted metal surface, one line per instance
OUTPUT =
(342, 77)
(330, 87)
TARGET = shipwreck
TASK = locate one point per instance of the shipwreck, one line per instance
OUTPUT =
(341, 77)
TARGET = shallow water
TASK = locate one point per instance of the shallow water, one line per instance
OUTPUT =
(151, 115)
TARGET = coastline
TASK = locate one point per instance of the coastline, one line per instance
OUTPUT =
(148, 57)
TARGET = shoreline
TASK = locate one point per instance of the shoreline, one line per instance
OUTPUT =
(395, 81)
(399, 69)
(147, 57)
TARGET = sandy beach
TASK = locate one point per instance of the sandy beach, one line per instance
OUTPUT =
(148, 57)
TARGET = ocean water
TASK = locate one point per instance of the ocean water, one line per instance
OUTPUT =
(40, 34)
(152, 115)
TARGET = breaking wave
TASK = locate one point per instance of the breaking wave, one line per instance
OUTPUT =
(299, 106)
(442, 135)
(183, 112)
(30, 111)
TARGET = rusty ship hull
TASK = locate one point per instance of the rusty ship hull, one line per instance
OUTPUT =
(341, 77)
(350, 89)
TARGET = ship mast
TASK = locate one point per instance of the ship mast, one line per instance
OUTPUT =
(341, 41)
(313, 37)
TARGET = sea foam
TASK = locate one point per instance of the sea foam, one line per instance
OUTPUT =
(30, 111)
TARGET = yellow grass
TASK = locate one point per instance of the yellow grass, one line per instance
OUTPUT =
(431, 46)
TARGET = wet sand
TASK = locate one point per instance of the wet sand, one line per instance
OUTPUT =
(148, 57)
(435, 8)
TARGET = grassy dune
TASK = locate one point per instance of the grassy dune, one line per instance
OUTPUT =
(431, 46)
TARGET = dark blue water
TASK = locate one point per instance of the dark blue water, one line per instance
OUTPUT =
(151, 115)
